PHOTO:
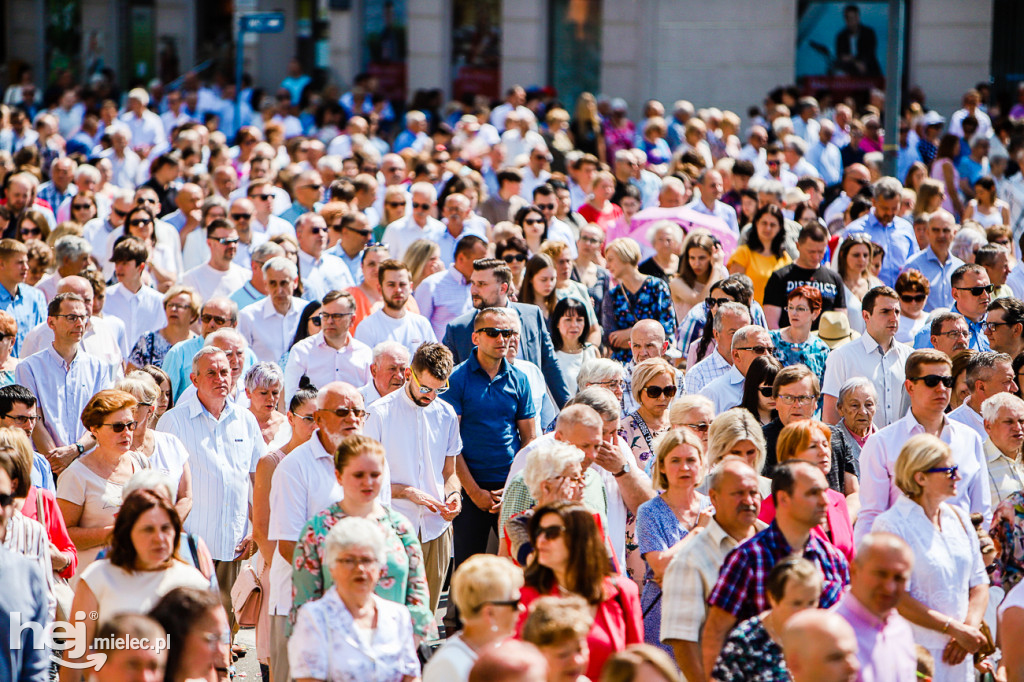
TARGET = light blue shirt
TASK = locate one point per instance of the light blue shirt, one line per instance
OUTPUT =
(726, 392)
(320, 276)
(447, 242)
(42, 474)
(897, 238)
(353, 263)
(246, 296)
(827, 159)
(721, 210)
(976, 339)
(28, 307)
(178, 363)
(940, 295)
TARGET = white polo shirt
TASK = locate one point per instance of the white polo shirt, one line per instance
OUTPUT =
(411, 330)
(267, 331)
(209, 282)
(323, 364)
(141, 312)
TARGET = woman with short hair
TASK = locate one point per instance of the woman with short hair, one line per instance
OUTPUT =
(264, 383)
(181, 308)
(913, 288)
(636, 297)
(558, 626)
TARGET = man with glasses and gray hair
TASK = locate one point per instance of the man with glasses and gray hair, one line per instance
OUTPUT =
(749, 342)
(269, 325)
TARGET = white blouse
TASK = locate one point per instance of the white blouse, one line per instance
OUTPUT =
(326, 644)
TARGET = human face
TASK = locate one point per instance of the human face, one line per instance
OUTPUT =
(747, 451)
(22, 417)
(798, 596)
(361, 478)
(422, 208)
(808, 503)
(69, 326)
(235, 351)
(586, 438)
(554, 553)
(730, 325)
(1007, 431)
(810, 253)
(743, 356)
(335, 428)
(818, 451)
(133, 665)
(952, 337)
(567, 485)
(800, 315)
(335, 320)
(630, 206)
(153, 538)
(570, 326)
(972, 306)
(281, 287)
(657, 406)
(999, 270)
(665, 243)
(563, 267)
(484, 289)
(792, 403)
(356, 571)
(647, 343)
(544, 282)
(263, 401)
(886, 209)
(682, 467)
(883, 322)
(14, 268)
(36, 271)
(912, 302)
(568, 660)
(164, 400)
(214, 316)
(940, 233)
(206, 645)
(179, 310)
(423, 386)
(396, 287)
(223, 245)
(699, 261)
(712, 187)
(533, 226)
(388, 372)
(929, 399)
(17, 196)
(110, 440)
(960, 390)
(999, 379)
(767, 227)
(765, 403)
(1003, 337)
(879, 579)
(307, 191)
(29, 230)
(497, 347)
(737, 501)
(213, 380)
(937, 485)
(590, 241)
(312, 235)
(858, 410)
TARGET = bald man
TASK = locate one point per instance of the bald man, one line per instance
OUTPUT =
(646, 340)
(513, 661)
(855, 178)
(878, 579)
(821, 647)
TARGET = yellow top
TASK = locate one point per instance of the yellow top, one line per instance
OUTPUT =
(758, 267)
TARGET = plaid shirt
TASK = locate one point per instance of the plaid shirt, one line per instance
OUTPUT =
(740, 589)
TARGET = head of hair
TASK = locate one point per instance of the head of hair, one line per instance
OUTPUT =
(665, 444)
(754, 242)
(123, 552)
(790, 568)
(809, 294)
(599, 370)
(732, 427)
(586, 572)
(625, 249)
(105, 403)
(354, 446)
(784, 477)
(53, 308)
(762, 370)
(355, 532)
(912, 282)
(626, 665)
(939, 319)
(556, 620)
(15, 394)
(868, 303)
(178, 612)
(796, 437)
(957, 278)
(512, 661)
(924, 356)
(502, 273)
(919, 453)
(790, 374)
(124, 627)
(435, 359)
(568, 306)
(482, 577)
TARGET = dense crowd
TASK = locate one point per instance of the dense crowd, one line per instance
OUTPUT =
(508, 393)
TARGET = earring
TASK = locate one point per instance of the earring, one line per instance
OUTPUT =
(494, 628)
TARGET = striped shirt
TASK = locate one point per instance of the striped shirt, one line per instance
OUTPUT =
(706, 371)
(222, 454)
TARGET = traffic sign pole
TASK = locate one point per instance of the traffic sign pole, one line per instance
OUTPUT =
(261, 22)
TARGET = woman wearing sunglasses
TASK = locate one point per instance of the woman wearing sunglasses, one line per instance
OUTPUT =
(89, 490)
(530, 220)
(913, 289)
(84, 207)
(570, 558)
(794, 344)
(181, 308)
(654, 387)
(33, 226)
(948, 590)
(515, 253)
(757, 388)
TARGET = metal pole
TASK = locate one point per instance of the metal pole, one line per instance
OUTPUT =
(239, 56)
(894, 85)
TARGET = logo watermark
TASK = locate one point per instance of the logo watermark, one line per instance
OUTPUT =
(71, 639)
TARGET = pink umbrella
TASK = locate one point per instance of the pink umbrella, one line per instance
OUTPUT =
(686, 218)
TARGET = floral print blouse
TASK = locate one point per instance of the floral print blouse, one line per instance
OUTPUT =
(812, 353)
(750, 655)
(621, 310)
(402, 579)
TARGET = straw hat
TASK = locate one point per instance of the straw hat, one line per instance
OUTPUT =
(834, 329)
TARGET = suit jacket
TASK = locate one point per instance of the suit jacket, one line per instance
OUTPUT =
(534, 345)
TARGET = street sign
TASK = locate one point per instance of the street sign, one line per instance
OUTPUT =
(262, 22)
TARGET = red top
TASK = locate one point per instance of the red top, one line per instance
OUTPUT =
(617, 623)
(606, 219)
(838, 521)
(55, 528)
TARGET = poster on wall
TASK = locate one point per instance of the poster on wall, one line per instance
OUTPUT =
(385, 45)
(476, 48)
(841, 46)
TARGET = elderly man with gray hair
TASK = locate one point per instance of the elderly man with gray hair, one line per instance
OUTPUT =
(269, 325)
(387, 371)
(71, 254)
(988, 375)
(749, 342)
(885, 228)
(1004, 426)
(255, 289)
(729, 318)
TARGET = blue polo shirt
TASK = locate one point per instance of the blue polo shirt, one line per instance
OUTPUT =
(489, 409)
(28, 306)
(975, 341)
(897, 238)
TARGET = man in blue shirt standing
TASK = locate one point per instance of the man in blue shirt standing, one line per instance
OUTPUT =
(892, 233)
(936, 262)
(972, 291)
(496, 418)
(26, 303)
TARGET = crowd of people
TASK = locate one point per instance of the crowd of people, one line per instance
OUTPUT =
(507, 392)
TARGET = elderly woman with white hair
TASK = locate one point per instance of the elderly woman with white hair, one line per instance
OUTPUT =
(602, 372)
(264, 383)
(351, 634)
(856, 404)
(967, 240)
(737, 432)
(667, 239)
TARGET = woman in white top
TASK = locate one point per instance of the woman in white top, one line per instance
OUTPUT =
(163, 266)
(854, 266)
(913, 289)
(141, 567)
(570, 328)
(89, 490)
(986, 208)
(485, 588)
(166, 453)
(350, 634)
(948, 589)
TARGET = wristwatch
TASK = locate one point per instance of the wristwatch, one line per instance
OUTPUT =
(625, 470)
(80, 448)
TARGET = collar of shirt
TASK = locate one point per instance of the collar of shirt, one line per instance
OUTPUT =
(873, 221)
(861, 612)
(307, 260)
(871, 346)
(408, 401)
(316, 447)
(975, 327)
(929, 254)
(196, 407)
(6, 296)
(916, 427)
(270, 311)
(994, 454)
(475, 366)
(321, 341)
(734, 375)
(59, 361)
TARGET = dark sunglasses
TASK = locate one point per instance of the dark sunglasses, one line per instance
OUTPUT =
(933, 380)
(121, 214)
(80, 207)
(977, 291)
(315, 320)
(396, 204)
(264, 197)
(916, 298)
(141, 222)
(514, 603)
(6, 499)
(766, 391)
(226, 241)
(318, 230)
(950, 472)
(31, 230)
(514, 257)
(344, 412)
(533, 221)
(119, 427)
(207, 319)
(759, 350)
(494, 332)
(361, 233)
(316, 187)
(241, 216)
(549, 532)
(702, 427)
(423, 207)
(712, 302)
(656, 392)
(546, 207)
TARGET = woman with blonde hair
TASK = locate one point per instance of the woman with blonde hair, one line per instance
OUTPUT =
(423, 257)
(737, 432)
(664, 523)
(485, 589)
(558, 626)
(586, 127)
(640, 663)
(653, 388)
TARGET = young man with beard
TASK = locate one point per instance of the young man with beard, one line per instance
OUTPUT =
(393, 322)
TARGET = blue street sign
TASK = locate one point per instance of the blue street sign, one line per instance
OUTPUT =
(263, 22)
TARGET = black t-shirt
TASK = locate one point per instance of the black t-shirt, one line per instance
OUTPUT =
(651, 267)
(791, 276)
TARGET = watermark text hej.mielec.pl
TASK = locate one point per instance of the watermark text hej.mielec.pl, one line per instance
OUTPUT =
(62, 636)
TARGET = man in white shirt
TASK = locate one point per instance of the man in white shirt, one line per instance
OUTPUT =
(256, 288)
(393, 322)
(333, 354)
(422, 440)
(875, 355)
(1004, 437)
(321, 272)
(535, 172)
(146, 127)
(750, 342)
(263, 195)
(988, 374)
(928, 383)
(304, 483)
(219, 276)
(387, 371)
(99, 229)
(140, 307)
(270, 324)
(63, 377)
(125, 163)
(224, 444)
(399, 235)
(711, 188)
(457, 211)
(729, 318)
(445, 295)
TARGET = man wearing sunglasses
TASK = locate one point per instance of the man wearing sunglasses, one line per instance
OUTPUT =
(457, 212)
(321, 272)
(267, 197)
(269, 326)
(217, 313)
(356, 234)
(749, 342)
(421, 437)
(928, 384)
(241, 212)
(988, 374)
(220, 275)
(936, 262)
(1004, 326)
(420, 224)
(307, 196)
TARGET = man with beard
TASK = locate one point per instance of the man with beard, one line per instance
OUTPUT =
(393, 322)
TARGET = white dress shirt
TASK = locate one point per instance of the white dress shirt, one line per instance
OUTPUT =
(878, 490)
(100, 341)
(210, 282)
(141, 312)
(324, 274)
(442, 297)
(726, 392)
(966, 415)
(399, 235)
(370, 393)
(418, 441)
(323, 364)
(303, 485)
(411, 330)
(275, 225)
(864, 358)
(63, 390)
(267, 331)
(222, 454)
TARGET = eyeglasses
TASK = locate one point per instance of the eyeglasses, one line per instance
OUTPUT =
(933, 380)
(655, 392)
(951, 472)
(263, 197)
(766, 391)
(241, 216)
(514, 257)
(425, 390)
(533, 221)
(549, 532)
(225, 241)
(140, 222)
(546, 207)
(422, 207)
(216, 319)
(316, 187)
(351, 562)
(494, 332)
(22, 419)
(797, 399)
(344, 412)
(80, 207)
(991, 326)
(31, 231)
(955, 333)
(915, 298)
(177, 306)
(702, 427)
(119, 427)
(773, 162)
(976, 291)
(146, 200)
(142, 404)
(395, 204)
(712, 302)
(514, 603)
(121, 214)
(305, 417)
(6, 499)
(74, 319)
(315, 320)
(798, 309)
(758, 350)
(335, 317)
(591, 240)
(318, 230)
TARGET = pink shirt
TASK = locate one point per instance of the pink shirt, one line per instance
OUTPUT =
(838, 522)
(885, 647)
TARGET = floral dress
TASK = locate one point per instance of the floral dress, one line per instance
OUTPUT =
(1008, 532)
(621, 310)
(750, 655)
(813, 352)
(402, 580)
(150, 349)
(632, 430)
